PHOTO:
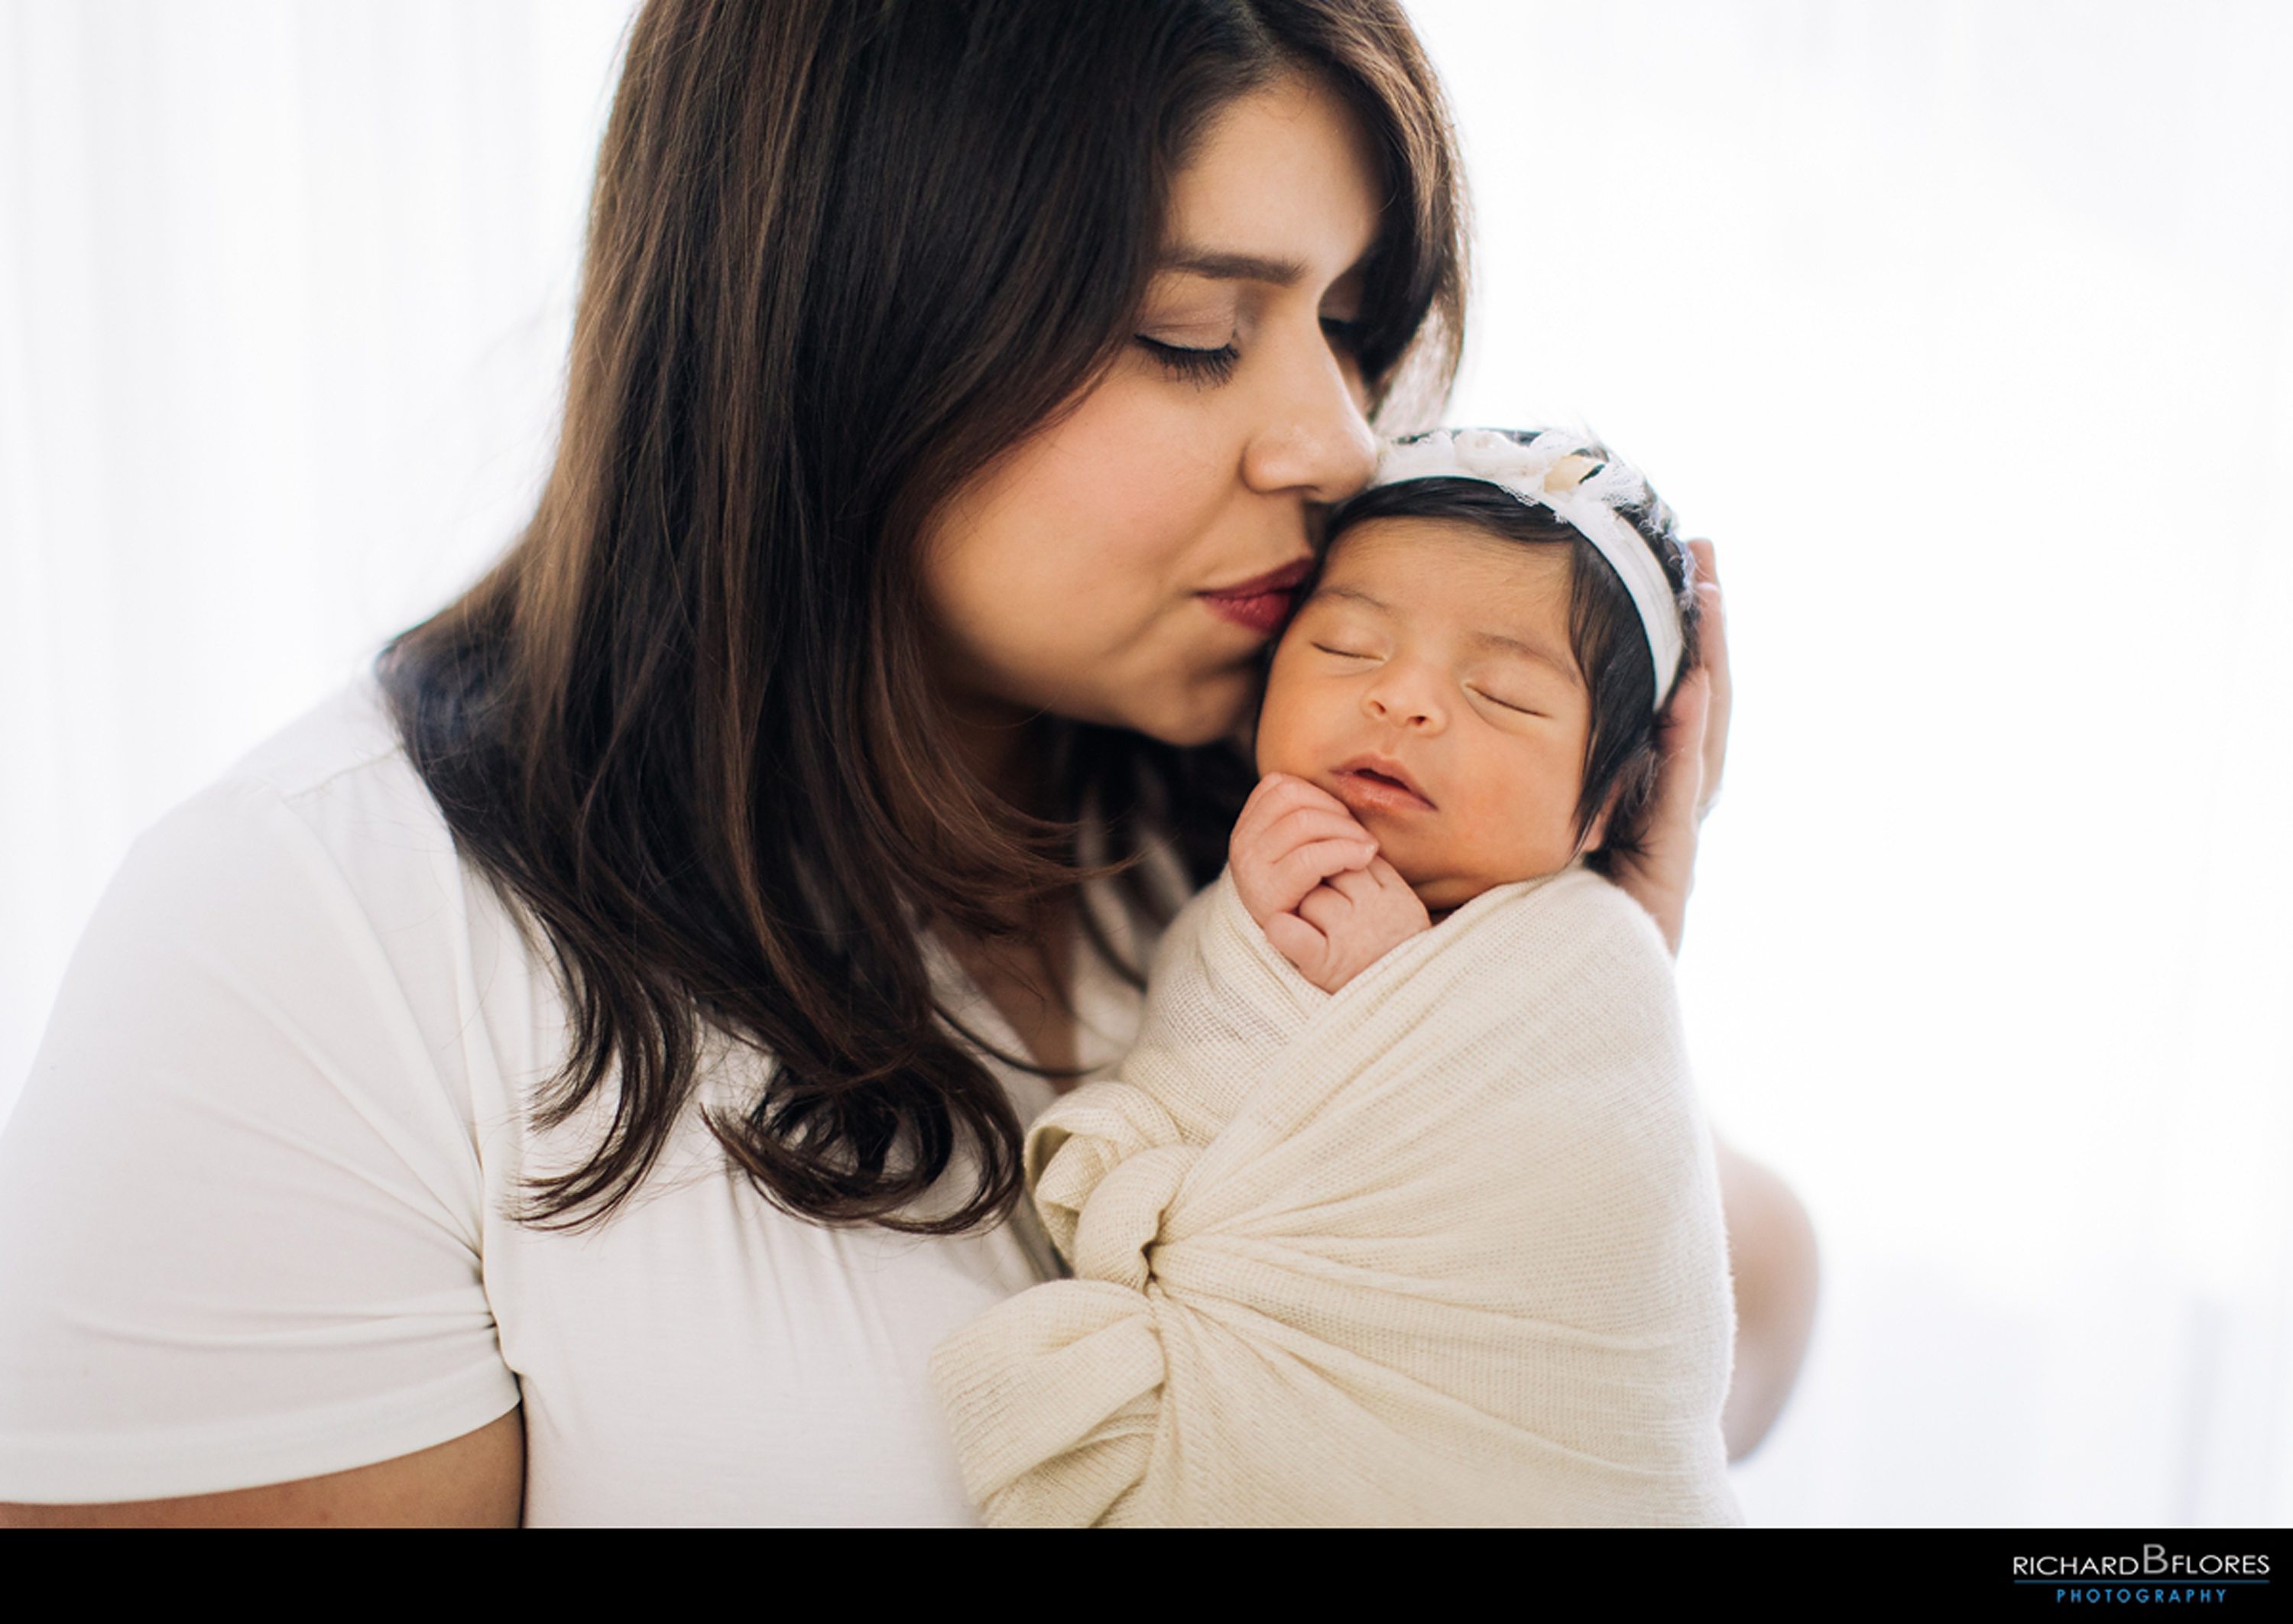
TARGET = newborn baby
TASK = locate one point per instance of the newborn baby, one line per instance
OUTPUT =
(1403, 1209)
(1431, 726)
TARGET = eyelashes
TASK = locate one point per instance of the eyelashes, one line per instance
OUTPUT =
(1506, 704)
(1206, 367)
(1210, 367)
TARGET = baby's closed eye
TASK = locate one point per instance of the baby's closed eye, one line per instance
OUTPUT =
(1526, 710)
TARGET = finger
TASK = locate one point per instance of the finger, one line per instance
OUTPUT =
(1274, 885)
(1256, 810)
(1276, 796)
(1297, 872)
(1680, 749)
(1266, 850)
(1397, 894)
(1356, 885)
(1299, 943)
(1326, 908)
(1661, 874)
(1273, 850)
(1707, 561)
(1279, 790)
(1265, 802)
(1712, 635)
(1306, 808)
(1306, 823)
(1386, 876)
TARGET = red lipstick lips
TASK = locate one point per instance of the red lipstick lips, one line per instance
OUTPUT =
(1259, 603)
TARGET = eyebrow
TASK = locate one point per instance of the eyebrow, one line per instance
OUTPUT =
(1231, 267)
(1478, 637)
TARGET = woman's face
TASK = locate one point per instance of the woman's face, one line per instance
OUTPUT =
(1079, 574)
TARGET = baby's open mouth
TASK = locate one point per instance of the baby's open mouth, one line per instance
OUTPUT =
(1382, 785)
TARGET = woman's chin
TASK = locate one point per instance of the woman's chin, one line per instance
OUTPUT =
(1204, 724)
(1220, 707)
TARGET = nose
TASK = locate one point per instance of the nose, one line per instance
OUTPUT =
(1401, 696)
(1315, 438)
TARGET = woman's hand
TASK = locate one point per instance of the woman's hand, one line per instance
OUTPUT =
(1692, 746)
(1310, 876)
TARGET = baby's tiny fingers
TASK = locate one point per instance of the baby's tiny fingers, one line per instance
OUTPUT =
(1276, 795)
(1256, 811)
(1299, 943)
(1356, 884)
(1387, 877)
(1397, 899)
(1279, 793)
(1271, 883)
(1305, 824)
(1319, 860)
(1326, 909)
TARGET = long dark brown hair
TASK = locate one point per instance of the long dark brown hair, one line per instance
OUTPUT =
(842, 253)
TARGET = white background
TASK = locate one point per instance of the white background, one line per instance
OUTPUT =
(1965, 330)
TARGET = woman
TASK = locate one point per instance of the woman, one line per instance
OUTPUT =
(581, 1074)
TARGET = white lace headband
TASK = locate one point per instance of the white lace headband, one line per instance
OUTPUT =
(1580, 482)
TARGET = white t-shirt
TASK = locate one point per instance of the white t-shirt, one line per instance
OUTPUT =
(255, 1202)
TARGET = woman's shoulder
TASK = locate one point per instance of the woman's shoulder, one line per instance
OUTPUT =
(348, 730)
(340, 775)
(308, 900)
(248, 1146)
(316, 875)
(292, 953)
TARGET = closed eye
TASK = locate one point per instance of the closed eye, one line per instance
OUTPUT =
(1342, 653)
(1523, 709)
(1198, 366)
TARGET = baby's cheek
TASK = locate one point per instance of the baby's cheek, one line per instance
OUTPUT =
(1286, 730)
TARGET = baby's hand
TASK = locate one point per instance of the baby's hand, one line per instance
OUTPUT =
(1290, 838)
(1348, 923)
(1310, 876)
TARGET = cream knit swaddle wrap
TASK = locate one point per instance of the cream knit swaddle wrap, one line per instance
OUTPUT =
(1443, 1246)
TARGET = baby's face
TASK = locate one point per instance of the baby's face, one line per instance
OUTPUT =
(1433, 650)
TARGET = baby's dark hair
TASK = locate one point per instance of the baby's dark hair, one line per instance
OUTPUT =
(1604, 629)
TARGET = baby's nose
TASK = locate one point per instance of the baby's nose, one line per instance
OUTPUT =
(1403, 703)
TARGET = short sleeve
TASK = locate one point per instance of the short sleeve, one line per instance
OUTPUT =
(241, 1199)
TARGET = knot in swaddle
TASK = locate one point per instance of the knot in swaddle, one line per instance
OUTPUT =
(1123, 1216)
(1061, 1385)
(1100, 1128)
